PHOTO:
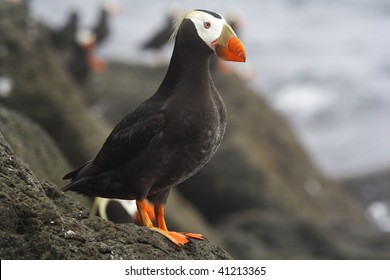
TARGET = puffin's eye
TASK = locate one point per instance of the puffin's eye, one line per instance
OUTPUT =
(207, 25)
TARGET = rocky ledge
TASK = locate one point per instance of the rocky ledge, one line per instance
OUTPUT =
(41, 222)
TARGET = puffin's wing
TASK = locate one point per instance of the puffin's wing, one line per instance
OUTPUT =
(129, 138)
(126, 141)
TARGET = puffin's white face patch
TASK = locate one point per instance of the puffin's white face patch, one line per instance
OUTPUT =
(208, 27)
(85, 36)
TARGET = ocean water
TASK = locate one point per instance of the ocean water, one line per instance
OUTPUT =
(325, 65)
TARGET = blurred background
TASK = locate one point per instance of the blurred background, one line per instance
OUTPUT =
(324, 65)
(304, 169)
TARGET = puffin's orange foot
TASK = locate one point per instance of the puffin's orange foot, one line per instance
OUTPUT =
(177, 238)
(194, 235)
(97, 64)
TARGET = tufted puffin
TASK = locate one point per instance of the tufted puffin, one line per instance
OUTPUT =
(102, 29)
(171, 135)
(82, 60)
(63, 37)
(162, 36)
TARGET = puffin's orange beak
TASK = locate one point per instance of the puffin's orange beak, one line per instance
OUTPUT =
(228, 46)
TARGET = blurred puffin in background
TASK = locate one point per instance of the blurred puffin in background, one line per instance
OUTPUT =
(82, 59)
(119, 211)
(162, 36)
(101, 29)
(63, 37)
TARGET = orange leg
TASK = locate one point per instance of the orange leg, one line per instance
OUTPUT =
(97, 64)
(143, 214)
(160, 216)
(149, 209)
(175, 237)
(159, 213)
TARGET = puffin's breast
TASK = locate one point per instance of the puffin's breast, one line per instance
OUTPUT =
(191, 139)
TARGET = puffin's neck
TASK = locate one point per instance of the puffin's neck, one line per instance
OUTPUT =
(186, 70)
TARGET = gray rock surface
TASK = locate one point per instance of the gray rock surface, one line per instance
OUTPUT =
(31, 143)
(41, 222)
(266, 234)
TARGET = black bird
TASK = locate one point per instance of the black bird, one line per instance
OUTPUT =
(161, 37)
(77, 63)
(63, 38)
(170, 136)
(102, 28)
(81, 60)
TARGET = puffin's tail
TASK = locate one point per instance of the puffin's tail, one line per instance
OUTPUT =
(78, 175)
(73, 184)
(89, 180)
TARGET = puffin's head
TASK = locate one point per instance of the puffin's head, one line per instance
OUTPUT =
(86, 38)
(112, 7)
(217, 34)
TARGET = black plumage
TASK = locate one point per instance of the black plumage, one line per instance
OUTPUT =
(102, 29)
(64, 37)
(77, 64)
(161, 37)
(165, 140)
(81, 61)
(171, 135)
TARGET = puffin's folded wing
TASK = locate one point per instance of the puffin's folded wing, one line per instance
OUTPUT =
(126, 142)
(129, 138)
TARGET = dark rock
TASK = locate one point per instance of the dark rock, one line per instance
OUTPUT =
(42, 89)
(31, 143)
(369, 188)
(258, 234)
(372, 192)
(36, 148)
(41, 222)
(261, 164)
